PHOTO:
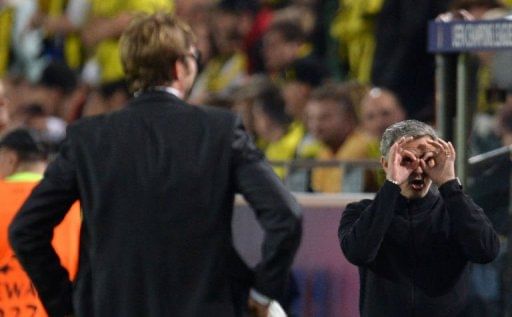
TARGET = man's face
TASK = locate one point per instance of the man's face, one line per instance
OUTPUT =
(8, 162)
(379, 112)
(4, 111)
(277, 52)
(419, 182)
(295, 96)
(326, 121)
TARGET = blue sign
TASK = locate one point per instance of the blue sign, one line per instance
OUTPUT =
(466, 36)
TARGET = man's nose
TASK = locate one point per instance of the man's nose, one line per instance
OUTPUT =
(418, 168)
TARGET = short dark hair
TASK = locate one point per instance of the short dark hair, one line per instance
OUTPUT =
(338, 93)
(290, 31)
(271, 102)
(58, 75)
(306, 70)
(28, 145)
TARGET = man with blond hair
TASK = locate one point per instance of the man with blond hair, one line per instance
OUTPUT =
(156, 181)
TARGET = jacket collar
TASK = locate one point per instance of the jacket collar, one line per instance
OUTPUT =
(419, 205)
(154, 96)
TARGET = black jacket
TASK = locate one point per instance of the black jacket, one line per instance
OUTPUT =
(413, 255)
(156, 182)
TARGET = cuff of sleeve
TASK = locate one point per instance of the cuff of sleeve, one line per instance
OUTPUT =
(259, 298)
(392, 181)
(450, 186)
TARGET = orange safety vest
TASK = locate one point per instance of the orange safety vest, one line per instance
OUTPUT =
(17, 294)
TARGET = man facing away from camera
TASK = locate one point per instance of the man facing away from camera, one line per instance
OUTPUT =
(156, 181)
(414, 244)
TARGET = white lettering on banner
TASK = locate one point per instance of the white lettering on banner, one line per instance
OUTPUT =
(491, 35)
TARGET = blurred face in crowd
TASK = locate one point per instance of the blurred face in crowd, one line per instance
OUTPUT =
(243, 108)
(263, 125)
(225, 32)
(295, 95)
(4, 111)
(8, 162)
(328, 122)
(419, 183)
(277, 52)
(379, 110)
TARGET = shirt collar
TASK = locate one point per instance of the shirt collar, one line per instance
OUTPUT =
(166, 89)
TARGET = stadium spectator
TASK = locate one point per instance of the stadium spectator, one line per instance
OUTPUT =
(330, 117)
(227, 66)
(272, 126)
(283, 43)
(401, 62)
(4, 110)
(106, 23)
(297, 82)
(379, 109)
(354, 29)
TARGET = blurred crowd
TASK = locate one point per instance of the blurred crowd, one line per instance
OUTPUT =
(311, 79)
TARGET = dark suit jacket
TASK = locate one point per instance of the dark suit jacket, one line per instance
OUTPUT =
(156, 181)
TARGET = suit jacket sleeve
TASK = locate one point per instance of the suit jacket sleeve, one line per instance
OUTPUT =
(471, 228)
(363, 225)
(31, 233)
(276, 210)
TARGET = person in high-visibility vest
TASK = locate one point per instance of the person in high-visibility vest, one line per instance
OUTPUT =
(22, 163)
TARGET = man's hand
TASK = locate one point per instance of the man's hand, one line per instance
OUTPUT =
(441, 166)
(401, 162)
(256, 309)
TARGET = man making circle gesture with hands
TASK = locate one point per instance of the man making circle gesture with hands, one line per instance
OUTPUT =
(414, 243)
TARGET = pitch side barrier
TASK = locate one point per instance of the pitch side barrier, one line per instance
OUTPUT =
(298, 172)
(327, 283)
(452, 41)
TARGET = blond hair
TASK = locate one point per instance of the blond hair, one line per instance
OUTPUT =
(150, 47)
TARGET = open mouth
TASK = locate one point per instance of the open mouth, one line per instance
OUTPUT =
(417, 184)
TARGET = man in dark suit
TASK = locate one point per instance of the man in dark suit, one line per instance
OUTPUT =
(156, 181)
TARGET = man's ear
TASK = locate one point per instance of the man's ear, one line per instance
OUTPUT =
(384, 163)
(180, 70)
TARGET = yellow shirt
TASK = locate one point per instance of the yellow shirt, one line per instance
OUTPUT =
(6, 22)
(283, 150)
(330, 179)
(308, 147)
(292, 145)
(353, 27)
(107, 51)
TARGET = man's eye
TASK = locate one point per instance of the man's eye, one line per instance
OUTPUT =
(406, 160)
